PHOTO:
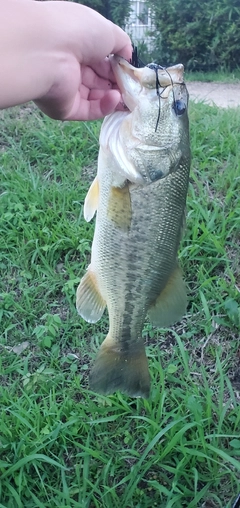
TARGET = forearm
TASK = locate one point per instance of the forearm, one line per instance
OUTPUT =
(29, 59)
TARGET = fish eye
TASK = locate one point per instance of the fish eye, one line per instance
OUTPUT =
(179, 107)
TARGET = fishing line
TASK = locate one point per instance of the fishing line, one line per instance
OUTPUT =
(178, 105)
(159, 99)
(155, 68)
(137, 62)
(237, 502)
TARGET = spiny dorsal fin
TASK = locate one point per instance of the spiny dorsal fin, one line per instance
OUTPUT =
(171, 304)
(90, 304)
(119, 207)
(91, 200)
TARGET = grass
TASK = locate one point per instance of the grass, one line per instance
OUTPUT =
(220, 76)
(60, 444)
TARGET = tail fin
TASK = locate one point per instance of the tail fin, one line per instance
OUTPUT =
(120, 370)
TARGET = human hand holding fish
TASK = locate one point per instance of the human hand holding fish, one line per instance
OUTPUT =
(55, 53)
(139, 196)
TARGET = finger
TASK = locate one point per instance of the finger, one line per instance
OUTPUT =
(103, 69)
(92, 79)
(106, 39)
(93, 109)
(122, 45)
(93, 94)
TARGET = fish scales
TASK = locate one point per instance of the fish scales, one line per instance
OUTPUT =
(140, 216)
(138, 255)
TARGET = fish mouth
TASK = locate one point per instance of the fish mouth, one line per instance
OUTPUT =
(131, 80)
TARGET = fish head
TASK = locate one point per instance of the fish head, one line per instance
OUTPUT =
(136, 82)
(156, 120)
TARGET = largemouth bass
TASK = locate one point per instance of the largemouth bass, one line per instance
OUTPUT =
(139, 195)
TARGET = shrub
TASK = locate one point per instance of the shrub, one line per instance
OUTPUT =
(115, 10)
(202, 35)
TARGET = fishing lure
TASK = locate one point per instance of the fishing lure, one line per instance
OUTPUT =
(135, 60)
(236, 503)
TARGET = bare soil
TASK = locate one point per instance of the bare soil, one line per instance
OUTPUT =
(224, 95)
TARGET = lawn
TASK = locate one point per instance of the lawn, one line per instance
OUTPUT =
(60, 444)
(219, 76)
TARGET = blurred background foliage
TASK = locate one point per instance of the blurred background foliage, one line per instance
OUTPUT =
(115, 10)
(204, 35)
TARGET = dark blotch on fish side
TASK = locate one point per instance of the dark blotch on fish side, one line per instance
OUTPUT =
(155, 174)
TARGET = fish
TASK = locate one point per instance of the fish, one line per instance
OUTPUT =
(139, 198)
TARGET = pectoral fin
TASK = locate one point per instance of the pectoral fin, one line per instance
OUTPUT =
(171, 304)
(90, 303)
(119, 207)
(91, 200)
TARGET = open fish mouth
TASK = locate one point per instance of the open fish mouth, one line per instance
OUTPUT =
(132, 80)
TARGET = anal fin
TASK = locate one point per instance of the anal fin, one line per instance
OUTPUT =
(89, 302)
(171, 304)
(91, 200)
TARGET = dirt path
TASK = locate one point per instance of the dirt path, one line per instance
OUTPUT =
(224, 95)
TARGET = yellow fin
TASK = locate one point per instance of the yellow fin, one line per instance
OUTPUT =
(90, 304)
(91, 200)
(116, 369)
(171, 304)
(119, 207)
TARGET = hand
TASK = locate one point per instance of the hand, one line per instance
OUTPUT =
(59, 58)
(86, 89)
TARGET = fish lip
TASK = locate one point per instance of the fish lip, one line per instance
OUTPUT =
(166, 75)
(124, 74)
(116, 60)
